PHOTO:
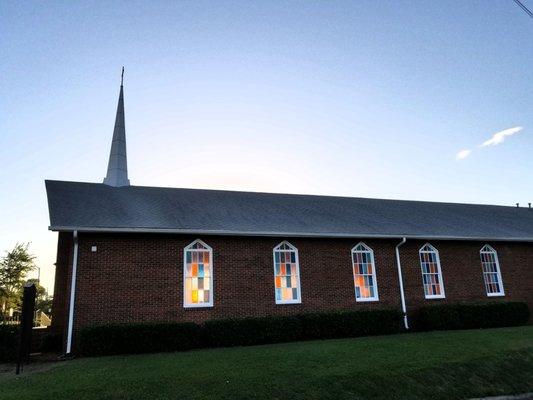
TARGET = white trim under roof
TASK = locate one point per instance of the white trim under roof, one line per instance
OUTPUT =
(288, 234)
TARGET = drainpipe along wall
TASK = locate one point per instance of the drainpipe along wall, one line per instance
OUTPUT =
(72, 292)
(400, 280)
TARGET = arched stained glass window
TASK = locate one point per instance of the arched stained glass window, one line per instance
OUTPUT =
(491, 271)
(364, 273)
(198, 275)
(431, 272)
(286, 274)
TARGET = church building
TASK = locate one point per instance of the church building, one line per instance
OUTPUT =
(133, 254)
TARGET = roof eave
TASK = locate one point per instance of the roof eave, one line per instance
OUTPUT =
(281, 234)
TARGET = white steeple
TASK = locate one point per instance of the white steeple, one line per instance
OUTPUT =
(117, 168)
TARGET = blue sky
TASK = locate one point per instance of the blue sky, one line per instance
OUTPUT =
(355, 98)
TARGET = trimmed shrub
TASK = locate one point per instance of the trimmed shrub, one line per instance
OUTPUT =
(8, 342)
(52, 342)
(350, 324)
(144, 338)
(138, 338)
(472, 316)
(251, 331)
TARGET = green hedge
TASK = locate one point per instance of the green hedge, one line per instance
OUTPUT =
(472, 316)
(8, 342)
(139, 338)
(144, 338)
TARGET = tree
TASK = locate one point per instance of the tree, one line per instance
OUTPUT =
(43, 301)
(14, 267)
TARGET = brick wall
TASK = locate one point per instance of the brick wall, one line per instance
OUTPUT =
(62, 283)
(138, 277)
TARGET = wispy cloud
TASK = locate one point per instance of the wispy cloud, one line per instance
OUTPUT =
(462, 154)
(499, 137)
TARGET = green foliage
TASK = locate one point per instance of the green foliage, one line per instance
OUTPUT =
(51, 343)
(139, 338)
(472, 316)
(43, 301)
(14, 267)
(8, 342)
(439, 365)
(342, 324)
(143, 338)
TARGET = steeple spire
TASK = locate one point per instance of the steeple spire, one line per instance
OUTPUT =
(117, 168)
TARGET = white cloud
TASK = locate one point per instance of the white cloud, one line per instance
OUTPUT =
(461, 155)
(499, 137)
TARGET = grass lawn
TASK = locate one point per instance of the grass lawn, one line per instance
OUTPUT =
(436, 365)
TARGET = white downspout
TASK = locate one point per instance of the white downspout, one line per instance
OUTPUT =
(72, 292)
(400, 279)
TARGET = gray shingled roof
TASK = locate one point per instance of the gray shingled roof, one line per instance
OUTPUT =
(98, 207)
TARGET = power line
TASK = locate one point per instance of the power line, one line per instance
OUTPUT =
(523, 7)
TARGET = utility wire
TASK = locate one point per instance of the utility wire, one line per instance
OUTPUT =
(523, 7)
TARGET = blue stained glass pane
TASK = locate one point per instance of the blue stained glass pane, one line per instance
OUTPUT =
(188, 257)
(277, 269)
(288, 268)
(357, 292)
(276, 256)
(293, 257)
(201, 270)
(288, 281)
(294, 293)
(370, 282)
(371, 291)
(278, 294)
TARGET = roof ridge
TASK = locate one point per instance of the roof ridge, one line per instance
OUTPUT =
(322, 196)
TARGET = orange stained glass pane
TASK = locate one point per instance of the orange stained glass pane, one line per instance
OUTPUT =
(188, 284)
(360, 282)
(195, 296)
(194, 269)
(287, 294)
(369, 268)
(206, 257)
(278, 281)
(283, 270)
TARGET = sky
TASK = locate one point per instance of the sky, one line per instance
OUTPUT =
(421, 100)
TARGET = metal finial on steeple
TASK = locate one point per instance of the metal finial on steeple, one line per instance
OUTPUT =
(117, 168)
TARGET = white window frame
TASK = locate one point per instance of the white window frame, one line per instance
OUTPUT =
(212, 294)
(442, 295)
(497, 261)
(293, 248)
(366, 250)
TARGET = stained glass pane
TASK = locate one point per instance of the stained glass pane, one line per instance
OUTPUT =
(364, 279)
(285, 273)
(197, 274)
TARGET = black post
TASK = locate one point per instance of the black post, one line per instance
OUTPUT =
(26, 325)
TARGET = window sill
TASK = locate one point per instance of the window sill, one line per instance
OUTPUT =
(197, 306)
(368, 300)
(435, 297)
(280, 303)
(495, 294)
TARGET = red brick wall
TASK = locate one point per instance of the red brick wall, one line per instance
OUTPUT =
(138, 277)
(62, 284)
